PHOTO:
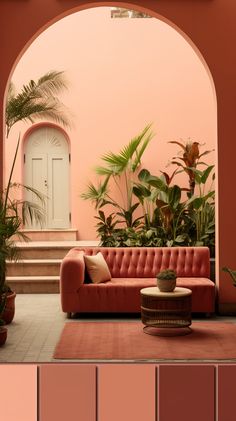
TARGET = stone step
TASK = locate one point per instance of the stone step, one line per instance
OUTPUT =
(51, 234)
(49, 250)
(34, 267)
(34, 284)
(38, 267)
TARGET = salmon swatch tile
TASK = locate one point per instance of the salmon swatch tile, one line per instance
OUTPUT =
(67, 392)
(18, 392)
(226, 392)
(186, 393)
(126, 392)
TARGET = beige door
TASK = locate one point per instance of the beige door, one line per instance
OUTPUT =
(46, 168)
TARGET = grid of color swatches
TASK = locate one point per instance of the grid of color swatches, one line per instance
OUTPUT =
(117, 392)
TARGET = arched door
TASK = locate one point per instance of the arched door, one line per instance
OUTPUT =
(46, 168)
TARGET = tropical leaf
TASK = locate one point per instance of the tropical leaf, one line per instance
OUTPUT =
(96, 194)
(179, 144)
(206, 153)
(206, 174)
(37, 100)
(231, 272)
(144, 175)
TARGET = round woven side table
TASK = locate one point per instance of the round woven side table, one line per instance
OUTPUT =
(166, 313)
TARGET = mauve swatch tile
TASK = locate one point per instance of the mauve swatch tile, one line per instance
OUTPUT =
(126, 392)
(18, 392)
(67, 392)
(186, 393)
(226, 392)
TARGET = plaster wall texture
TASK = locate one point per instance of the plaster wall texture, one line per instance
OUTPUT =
(122, 74)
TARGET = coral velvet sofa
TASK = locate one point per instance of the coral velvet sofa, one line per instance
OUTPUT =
(132, 269)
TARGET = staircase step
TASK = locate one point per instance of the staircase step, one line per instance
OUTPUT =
(38, 267)
(52, 234)
(34, 267)
(49, 249)
(34, 284)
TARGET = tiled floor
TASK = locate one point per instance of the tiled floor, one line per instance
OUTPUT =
(36, 328)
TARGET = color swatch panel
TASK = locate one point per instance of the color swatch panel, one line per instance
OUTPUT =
(122, 391)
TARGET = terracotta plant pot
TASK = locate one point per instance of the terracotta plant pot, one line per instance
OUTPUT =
(3, 335)
(166, 285)
(9, 311)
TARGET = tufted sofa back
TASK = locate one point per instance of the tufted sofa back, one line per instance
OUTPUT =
(146, 262)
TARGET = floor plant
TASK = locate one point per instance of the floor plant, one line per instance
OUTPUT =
(36, 100)
(154, 210)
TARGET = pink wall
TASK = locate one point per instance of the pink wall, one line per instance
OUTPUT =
(123, 74)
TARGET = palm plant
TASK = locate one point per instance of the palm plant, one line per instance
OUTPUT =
(13, 213)
(121, 168)
(37, 100)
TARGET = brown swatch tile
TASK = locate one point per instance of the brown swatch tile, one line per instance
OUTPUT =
(186, 393)
(226, 392)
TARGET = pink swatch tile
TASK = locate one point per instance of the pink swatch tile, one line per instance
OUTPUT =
(67, 392)
(126, 392)
(18, 392)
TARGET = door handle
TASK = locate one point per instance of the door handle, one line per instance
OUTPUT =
(46, 183)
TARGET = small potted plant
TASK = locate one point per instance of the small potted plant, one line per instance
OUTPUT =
(166, 280)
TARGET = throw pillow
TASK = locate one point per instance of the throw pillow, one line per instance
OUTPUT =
(97, 268)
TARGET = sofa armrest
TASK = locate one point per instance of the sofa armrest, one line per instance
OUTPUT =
(72, 271)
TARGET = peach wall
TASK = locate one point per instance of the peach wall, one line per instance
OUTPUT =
(123, 74)
(210, 26)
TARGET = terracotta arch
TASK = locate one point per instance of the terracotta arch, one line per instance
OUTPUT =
(210, 24)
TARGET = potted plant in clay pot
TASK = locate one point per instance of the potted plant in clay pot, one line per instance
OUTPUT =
(36, 100)
(166, 280)
(3, 332)
(3, 329)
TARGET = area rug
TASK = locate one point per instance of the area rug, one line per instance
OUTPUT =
(126, 341)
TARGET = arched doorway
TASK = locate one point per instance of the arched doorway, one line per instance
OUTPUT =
(46, 169)
(206, 15)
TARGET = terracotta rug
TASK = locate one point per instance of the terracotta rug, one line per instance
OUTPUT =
(126, 341)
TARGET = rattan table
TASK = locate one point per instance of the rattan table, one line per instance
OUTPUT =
(166, 313)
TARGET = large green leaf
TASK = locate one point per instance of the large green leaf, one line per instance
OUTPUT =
(144, 175)
(206, 174)
(174, 196)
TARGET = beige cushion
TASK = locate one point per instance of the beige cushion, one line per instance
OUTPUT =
(97, 268)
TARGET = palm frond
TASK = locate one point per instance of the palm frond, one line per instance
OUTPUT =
(32, 212)
(96, 194)
(52, 83)
(139, 153)
(38, 195)
(37, 100)
(129, 155)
